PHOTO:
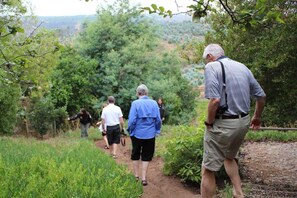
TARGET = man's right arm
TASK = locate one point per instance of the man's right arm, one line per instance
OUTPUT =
(132, 118)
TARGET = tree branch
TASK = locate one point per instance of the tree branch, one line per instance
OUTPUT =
(31, 34)
(230, 13)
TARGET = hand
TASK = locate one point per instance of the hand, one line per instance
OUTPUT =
(255, 123)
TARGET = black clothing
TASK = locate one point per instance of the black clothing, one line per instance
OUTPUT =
(84, 118)
(162, 110)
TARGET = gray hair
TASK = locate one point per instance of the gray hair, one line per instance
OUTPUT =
(142, 90)
(213, 49)
(110, 99)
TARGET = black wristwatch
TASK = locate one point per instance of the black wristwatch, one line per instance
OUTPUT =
(208, 124)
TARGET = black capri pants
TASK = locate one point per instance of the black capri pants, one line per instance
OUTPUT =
(142, 147)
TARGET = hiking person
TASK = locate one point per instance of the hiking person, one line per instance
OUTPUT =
(143, 125)
(228, 86)
(112, 124)
(85, 120)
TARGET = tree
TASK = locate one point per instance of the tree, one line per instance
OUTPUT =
(128, 53)
(71, 81)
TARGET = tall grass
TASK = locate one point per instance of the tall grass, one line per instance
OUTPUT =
(61, 167)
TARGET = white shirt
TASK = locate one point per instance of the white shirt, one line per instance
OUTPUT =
(111, 115)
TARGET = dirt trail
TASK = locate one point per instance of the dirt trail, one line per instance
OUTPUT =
(159, 185)
(269, 169)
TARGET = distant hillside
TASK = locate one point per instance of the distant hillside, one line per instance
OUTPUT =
(177, 29)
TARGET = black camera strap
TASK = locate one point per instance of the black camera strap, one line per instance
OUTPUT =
(224, 81)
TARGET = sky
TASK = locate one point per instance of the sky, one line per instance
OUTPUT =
(81, 7)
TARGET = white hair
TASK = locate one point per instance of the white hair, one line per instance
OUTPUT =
(213, 49)
(142, 90)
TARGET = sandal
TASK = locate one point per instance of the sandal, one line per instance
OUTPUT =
(114, 156)
(106, 147)
(144, 182)
(137, 178)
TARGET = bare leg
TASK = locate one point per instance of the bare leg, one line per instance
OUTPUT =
(105, 140)
(144, 169)
(114, 149)
(136, 167)
(208, 184)
(232, 171)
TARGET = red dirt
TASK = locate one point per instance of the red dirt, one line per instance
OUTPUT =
(159, 185)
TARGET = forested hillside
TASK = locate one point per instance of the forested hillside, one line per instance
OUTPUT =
(178, 29)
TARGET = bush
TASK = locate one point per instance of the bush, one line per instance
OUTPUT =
(184, 154)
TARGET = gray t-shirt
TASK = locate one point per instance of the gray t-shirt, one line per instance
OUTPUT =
(240, 85)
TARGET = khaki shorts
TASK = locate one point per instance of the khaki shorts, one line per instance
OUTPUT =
(223, 140)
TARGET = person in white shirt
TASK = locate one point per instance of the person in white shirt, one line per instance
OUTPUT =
(112, 124)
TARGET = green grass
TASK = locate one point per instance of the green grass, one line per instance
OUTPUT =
(61, 167)
(277, 136)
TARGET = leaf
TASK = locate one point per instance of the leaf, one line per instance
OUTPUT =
(161, 9)
(19, 29)
(192, 7)
(154, 6)
(146, 8)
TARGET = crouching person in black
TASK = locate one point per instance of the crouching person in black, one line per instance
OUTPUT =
(85, 119)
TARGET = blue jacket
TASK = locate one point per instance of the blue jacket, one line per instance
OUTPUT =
(144, 118)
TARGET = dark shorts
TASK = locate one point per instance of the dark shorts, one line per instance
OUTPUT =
(144, 148)
(113, 134)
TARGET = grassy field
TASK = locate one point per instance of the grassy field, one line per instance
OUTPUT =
(66, 166)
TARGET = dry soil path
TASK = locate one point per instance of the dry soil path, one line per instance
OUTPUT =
(269, 169)
(159, 185)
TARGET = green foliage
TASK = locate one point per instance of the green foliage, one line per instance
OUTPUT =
(179, 32)
(71, 81)
(44, 117)
(61, 168)
(254, 12)
(184, 154)
(129, 56)
(157, 9)
(11, 24)
(9, 97)
(27, 57)
(185, 150)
